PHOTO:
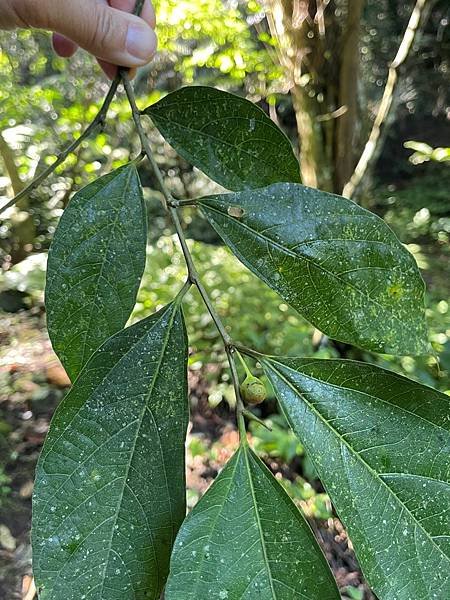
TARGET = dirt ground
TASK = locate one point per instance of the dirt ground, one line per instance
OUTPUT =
(32, 383)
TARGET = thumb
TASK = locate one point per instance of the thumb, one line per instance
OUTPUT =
(108, 33)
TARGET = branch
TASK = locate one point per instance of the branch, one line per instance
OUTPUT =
(97, 122)
(10, 165)
(387, 98)
(170, 204)
(138, 7)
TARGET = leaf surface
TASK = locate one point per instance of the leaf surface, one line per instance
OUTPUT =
(336, 263)
(95, 265)
(229, 138)
(245, 539)
(110, 482)
(380, 444)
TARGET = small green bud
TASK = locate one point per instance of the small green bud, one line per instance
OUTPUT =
(253, 390)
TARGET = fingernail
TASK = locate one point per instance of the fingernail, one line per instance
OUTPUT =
(141, 42)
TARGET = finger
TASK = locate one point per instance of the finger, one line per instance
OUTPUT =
(110, 34)
(107, 68)
(147, 12)
(63, 46)
(111, 70)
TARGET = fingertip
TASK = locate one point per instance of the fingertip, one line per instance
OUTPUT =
(141, 44)
(63, 46)
(115, 36)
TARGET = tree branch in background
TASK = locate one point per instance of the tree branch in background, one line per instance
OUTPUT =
(290, 23)
(316, 49)
(369, 152)
(7, 156)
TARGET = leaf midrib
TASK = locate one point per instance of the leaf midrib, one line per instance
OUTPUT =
(355, 455)
(115, 517)
(258, 522)
(125, 477)
(220, 140)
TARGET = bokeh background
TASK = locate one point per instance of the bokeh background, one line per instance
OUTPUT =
(319, 69)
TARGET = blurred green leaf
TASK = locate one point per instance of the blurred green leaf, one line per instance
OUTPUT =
(280, 442)
(354, 593)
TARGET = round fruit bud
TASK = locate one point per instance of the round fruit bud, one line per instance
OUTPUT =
(253, 390)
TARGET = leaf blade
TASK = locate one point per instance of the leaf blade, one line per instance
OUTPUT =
(110, 483)
(228, 547)
(378, 442)
(95, 265)
(336, 263)
(226, 136)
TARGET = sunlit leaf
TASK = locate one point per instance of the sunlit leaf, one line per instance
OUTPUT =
(381, 446)
(95, 265)
(245, 539)
(336, 263)
(229, 138)
(110, 483)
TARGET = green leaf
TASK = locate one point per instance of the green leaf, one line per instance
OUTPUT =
(245, 539)
(229, 138)
(95, 265)
(336, 263)
(110, 484)
(380, 444)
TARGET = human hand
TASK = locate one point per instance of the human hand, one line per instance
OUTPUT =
(105, 28)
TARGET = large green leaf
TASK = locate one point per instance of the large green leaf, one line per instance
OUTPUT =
(338, 264)
(244, 540)
(95, 265)
(229, 138)
(110, 483)
(381, 446)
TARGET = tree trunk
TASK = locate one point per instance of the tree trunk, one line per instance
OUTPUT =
(382, 118)
(347, 128)
(308, 34)
(314, 166)
(23, 228)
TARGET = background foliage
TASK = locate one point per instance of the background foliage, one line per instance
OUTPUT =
(44, 99)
